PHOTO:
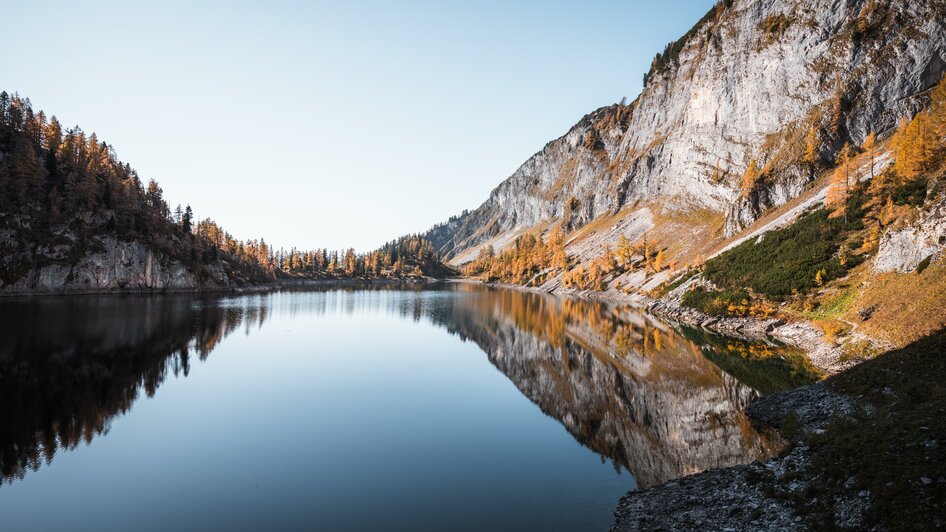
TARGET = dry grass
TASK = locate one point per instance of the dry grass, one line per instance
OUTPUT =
(907, 306)
(687, 235)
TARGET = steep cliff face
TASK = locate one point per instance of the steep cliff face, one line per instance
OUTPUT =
(754, 81)
(103, 263)
(118, 265)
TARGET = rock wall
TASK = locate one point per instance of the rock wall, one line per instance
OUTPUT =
(749, 83)
(903, 249)
(117, 265)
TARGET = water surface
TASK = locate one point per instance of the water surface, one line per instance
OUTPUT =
(455, 407)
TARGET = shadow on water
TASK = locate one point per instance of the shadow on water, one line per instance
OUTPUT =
(655, 401)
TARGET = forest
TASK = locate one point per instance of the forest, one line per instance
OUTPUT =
(60, 187)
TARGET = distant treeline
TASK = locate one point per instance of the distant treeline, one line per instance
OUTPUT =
(59, 187)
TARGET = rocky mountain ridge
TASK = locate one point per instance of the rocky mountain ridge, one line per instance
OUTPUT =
(748, 87)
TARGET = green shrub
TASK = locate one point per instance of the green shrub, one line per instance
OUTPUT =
(715, 303)
(786, 260)
(912, 192)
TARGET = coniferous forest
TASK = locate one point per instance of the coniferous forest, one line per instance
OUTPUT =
(62, 192)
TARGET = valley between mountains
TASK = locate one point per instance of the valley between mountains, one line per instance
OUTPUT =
(781, 177)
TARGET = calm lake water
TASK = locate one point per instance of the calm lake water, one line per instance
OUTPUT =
(453, 407)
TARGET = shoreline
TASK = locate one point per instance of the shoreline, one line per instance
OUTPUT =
(250, 289)
(800, 334)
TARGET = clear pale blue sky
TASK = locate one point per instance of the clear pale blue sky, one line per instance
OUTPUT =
(329, 124)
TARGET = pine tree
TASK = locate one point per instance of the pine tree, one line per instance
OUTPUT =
(187, 219)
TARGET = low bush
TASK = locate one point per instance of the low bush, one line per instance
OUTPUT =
(793, 259)
(717, 303)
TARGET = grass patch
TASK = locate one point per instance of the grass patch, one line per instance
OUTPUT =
(858, 350)
(666, 288)
(834, 304)
(907, 306)
(832, 329)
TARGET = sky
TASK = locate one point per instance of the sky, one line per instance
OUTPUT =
(330, 124)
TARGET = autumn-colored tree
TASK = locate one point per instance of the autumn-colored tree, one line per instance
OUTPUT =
(913, 146)
(810, 156)
(750, 178)
(624, 253)
(937, 111)
(659, 261)
(559, 259)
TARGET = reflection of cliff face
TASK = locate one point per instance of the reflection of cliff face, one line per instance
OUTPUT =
(56, 392)
(622, 384)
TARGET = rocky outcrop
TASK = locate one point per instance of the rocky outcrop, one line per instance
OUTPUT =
(904, 249)
(116, 265)
(747, 84)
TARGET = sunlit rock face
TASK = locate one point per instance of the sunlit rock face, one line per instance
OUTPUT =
(903, 249)
(748, 84)
(629, 388)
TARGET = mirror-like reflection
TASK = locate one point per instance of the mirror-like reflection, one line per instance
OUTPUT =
(626, 385)
(655, 401)
(69, 366)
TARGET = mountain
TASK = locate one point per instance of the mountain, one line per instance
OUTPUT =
(739, 116)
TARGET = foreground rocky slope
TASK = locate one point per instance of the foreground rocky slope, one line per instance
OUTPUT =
(868, 454)
(749, 86)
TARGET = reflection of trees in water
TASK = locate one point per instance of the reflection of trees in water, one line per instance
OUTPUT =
(623, 384)
(69, 366)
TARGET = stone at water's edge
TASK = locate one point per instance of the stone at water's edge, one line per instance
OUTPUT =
(755, 496)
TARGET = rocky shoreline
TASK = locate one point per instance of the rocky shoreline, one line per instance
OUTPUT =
(799, 334)
(773, 495)
(756, 496)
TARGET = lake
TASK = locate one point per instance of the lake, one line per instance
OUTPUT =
(445, 407)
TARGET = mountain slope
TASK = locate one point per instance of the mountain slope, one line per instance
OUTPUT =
(746, 91)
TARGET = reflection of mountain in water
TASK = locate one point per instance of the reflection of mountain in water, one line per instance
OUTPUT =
(624, 385)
